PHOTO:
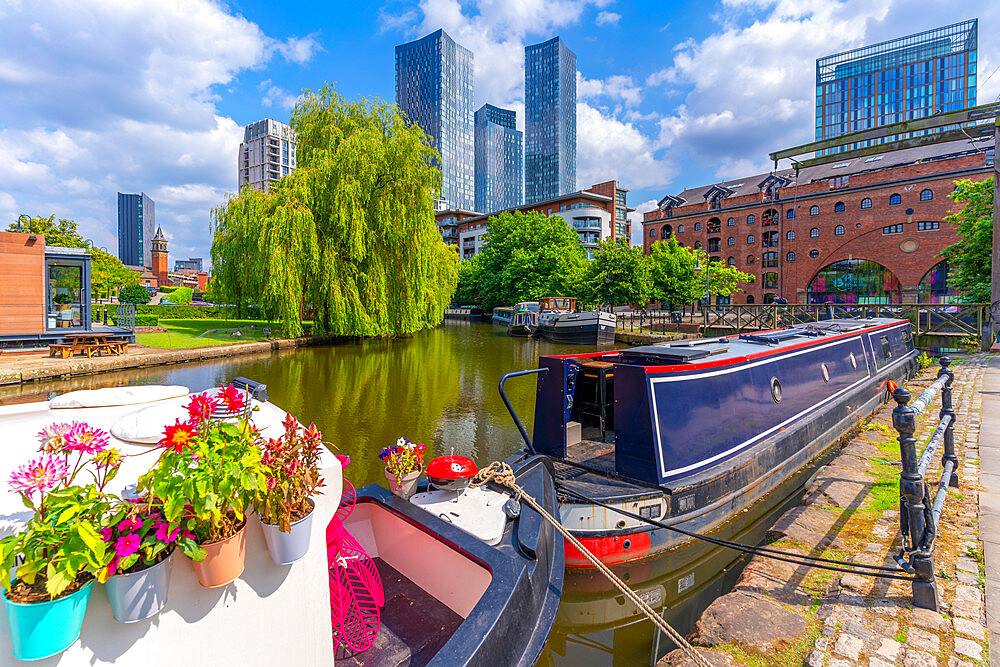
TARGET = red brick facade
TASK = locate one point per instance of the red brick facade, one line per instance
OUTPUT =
(855, 232)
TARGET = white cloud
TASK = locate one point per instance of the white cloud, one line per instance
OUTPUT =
(276, 96)
(607, 18)
(616, 87)
(635, 218)
(609, 148)
(102, 98)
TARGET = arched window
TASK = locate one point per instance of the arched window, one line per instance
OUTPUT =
(838, 230)
(749, 259)
(750, 239)
(814, 210)
(790, 235)
(895, 200)
(790, 257)
(731, 261)
(751, 219)
(652, 233)
(730, 242)
(854, 281)
(750, 298)
(814, 233)
(697, 226)
(866, 203)
(926, 195)
(838, 207)
(666, 232)
(731, 222)
(814, 253)
(697, 245)
(713, 225)
(790, 214)
(770, 217)
(680, 229)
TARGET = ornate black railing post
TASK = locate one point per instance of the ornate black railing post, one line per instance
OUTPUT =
(948, 410)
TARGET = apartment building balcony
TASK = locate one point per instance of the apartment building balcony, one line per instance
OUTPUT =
(587, 222)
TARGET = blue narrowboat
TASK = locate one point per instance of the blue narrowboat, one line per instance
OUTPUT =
(501, 315)
(691, 433)
(524, 321)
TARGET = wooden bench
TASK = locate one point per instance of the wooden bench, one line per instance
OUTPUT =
(65, 350)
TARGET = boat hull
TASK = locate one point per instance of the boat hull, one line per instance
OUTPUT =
(520, 331)
(587, 328)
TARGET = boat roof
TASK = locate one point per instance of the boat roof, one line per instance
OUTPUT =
(724, 350)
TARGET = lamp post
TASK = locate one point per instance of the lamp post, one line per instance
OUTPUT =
(708, 296)
(23, 222)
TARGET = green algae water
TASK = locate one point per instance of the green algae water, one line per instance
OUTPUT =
(439, 387)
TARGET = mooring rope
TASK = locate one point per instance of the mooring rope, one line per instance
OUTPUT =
(502, 474)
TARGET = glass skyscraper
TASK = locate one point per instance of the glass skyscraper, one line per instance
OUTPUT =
(136, 220)
(499, 160)
(549, 120)
(434, 90)
(902, 79)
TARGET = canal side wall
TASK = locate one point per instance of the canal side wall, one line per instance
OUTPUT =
(21, 369)
(782, 613)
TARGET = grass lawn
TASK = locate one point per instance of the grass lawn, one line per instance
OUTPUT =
(201, 333)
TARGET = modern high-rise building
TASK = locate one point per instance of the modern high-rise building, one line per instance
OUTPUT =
(549, 120)
(902, 79)
(266, 154)
(136, 220)
(434, 90)
(499, 160)
(189, 264)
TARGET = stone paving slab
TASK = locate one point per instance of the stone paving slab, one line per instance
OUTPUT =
(989, 527)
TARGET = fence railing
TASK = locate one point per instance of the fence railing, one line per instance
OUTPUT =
(919, 515)
(126, 316)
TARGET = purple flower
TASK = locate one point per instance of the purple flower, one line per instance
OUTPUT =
(106, 533)
(86, 439)
(127, 545)
(40, 475)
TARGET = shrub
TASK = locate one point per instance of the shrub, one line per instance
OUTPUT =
(146, 320)
(167, 289)
(133, 294)
(181, 296)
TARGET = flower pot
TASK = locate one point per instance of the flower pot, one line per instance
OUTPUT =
(138, 595)
(224, 560)
(405, 486)
(44, 629)
(286, 548)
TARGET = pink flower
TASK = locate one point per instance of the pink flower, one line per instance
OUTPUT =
(127, 545)
(164, 534)
(113, 566)
(86, 439)
(39, 475)
(128, 525)
(52, 437)
(271, 483)
(232, 397)
(106, 533)
(201, 407)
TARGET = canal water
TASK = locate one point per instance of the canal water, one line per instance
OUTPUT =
(439, 387)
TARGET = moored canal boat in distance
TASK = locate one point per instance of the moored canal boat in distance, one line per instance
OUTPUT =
(501, 315)
(463, 313)
(691, 433)
(524, 321)
(560, 321)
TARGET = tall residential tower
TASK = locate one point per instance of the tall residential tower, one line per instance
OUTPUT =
(136, 217)
(266, 154)
(499, 160)
(549, 120)
(902, 79)
(434, 90)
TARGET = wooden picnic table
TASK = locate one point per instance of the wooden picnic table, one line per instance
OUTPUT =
(88, 343)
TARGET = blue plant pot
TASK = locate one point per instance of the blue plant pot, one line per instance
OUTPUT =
(46, 628)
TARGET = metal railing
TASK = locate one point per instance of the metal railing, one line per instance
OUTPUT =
(126, 316)
(919, 515)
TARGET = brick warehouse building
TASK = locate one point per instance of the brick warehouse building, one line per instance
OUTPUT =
(863, 230)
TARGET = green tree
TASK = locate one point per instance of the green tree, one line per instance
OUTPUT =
(133, 294)
(969, 260)
(350, 233)
(107, 273)
(619, 274)
(62, 233)
(527, 256)
(678, 274)
(725, 280)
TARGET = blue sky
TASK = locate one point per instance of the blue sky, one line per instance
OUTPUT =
(101, 96)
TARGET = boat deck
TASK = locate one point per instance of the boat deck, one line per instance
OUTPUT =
(415, 625)
(592, 452)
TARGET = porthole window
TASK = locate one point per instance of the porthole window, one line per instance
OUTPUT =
(775, 390)
(854, 361)
(826, 372)
(814, 253)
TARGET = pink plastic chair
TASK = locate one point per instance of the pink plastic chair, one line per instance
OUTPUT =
(355, 586)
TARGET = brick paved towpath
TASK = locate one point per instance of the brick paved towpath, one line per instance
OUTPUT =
(851, 512)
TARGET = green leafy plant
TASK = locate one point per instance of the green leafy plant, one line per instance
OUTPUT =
(925, 360)
(133, 294)
(294, 478)
(146, 320)
(141, 537)
(61, 549)
(210, 471)
(402, 459)
(62, 299)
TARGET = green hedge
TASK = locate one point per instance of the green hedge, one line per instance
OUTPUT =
(197, 312)
(182, 296)
(167, 289)
(146, 320)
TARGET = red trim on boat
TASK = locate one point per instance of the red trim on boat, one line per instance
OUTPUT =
(609, 550)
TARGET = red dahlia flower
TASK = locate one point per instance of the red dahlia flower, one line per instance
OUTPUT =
(201, 407)
(178, 436)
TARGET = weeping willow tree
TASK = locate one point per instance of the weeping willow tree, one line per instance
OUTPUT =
(349, 235)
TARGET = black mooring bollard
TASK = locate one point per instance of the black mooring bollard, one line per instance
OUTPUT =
(948, 409)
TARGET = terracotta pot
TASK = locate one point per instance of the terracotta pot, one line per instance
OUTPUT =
(224, 560)
(405, 487)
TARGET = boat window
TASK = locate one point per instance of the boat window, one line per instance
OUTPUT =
(907, 339)
(854, 361)
(776, 390)
(826, 372)
(886, 349)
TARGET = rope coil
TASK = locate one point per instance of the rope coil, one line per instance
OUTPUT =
(502, 475)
